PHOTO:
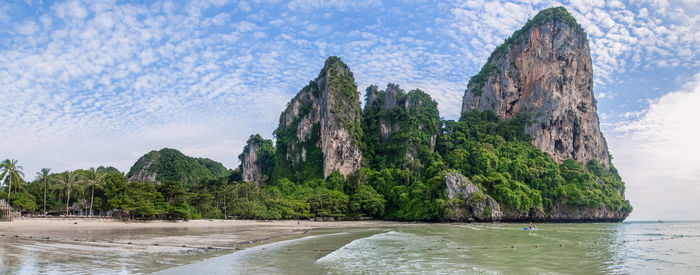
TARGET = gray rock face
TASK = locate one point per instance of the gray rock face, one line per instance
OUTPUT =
(546, 73)
(457, 186)
(143, 175)
(404, 120)
(477, 205)
(330, 101)
(562, 212)
(250, 170)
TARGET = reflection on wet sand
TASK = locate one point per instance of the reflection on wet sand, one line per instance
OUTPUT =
(33, 246)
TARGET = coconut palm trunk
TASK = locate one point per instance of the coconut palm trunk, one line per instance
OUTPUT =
(92, 197)
(44, 197)
(69, 180)
(9, 189)
(67, 200)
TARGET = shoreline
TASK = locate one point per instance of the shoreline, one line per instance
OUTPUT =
(183, 242)
(154, 236)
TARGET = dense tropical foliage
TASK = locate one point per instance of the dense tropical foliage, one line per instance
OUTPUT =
(494, 154)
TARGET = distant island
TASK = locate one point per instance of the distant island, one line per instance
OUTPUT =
(527, 147)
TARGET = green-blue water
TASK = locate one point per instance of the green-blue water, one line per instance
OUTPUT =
(657, 248)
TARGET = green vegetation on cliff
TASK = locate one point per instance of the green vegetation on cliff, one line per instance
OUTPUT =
(290, 150)
(497, 155)
(555, 14)
(344, 97)
(400, 136)
(171, 165)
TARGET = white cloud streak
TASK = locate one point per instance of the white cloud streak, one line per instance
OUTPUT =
(656, 151)
(89, 83)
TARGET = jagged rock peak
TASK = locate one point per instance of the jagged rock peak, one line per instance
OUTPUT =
(324, 115)
(397, 124)
(544, 71)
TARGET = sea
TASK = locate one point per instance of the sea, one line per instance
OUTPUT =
(560, 248)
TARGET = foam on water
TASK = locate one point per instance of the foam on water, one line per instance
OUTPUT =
(668, 248)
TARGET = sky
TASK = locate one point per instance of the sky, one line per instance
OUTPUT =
(84, 84)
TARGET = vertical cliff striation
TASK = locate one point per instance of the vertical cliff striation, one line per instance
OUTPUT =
(319, 131)
(545, 72)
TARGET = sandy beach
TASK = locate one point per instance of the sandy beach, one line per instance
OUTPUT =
(145, 246)
(192, 234)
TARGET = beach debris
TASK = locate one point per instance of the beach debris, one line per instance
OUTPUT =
(579, 243)
(561, 244)
(262, 248)
(512, 246)
(184, 245)
(430, 248)
(374, 247)
(537, 245)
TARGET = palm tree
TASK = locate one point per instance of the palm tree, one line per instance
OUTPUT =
(69, 180)
(44, 177)
(10, 171)
(94, 178)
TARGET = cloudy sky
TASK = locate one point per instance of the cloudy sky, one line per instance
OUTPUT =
(102, 82)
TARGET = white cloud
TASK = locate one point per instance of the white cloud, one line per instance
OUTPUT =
(101, 83)
(244, 6)
(332, 4)
(657, 153)
(73, 9)
(27, 28)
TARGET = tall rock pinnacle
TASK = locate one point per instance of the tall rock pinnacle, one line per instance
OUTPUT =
(544, 70)
(320, 129)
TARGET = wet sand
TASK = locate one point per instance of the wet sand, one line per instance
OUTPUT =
(105, 245)
(194, 233)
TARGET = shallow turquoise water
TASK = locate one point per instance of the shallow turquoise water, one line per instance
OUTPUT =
(617, 248)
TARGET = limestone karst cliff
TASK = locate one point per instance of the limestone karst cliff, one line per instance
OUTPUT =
(319, 132)
(257, 159)
(399, 126)
(545, 71)
(522, 150)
